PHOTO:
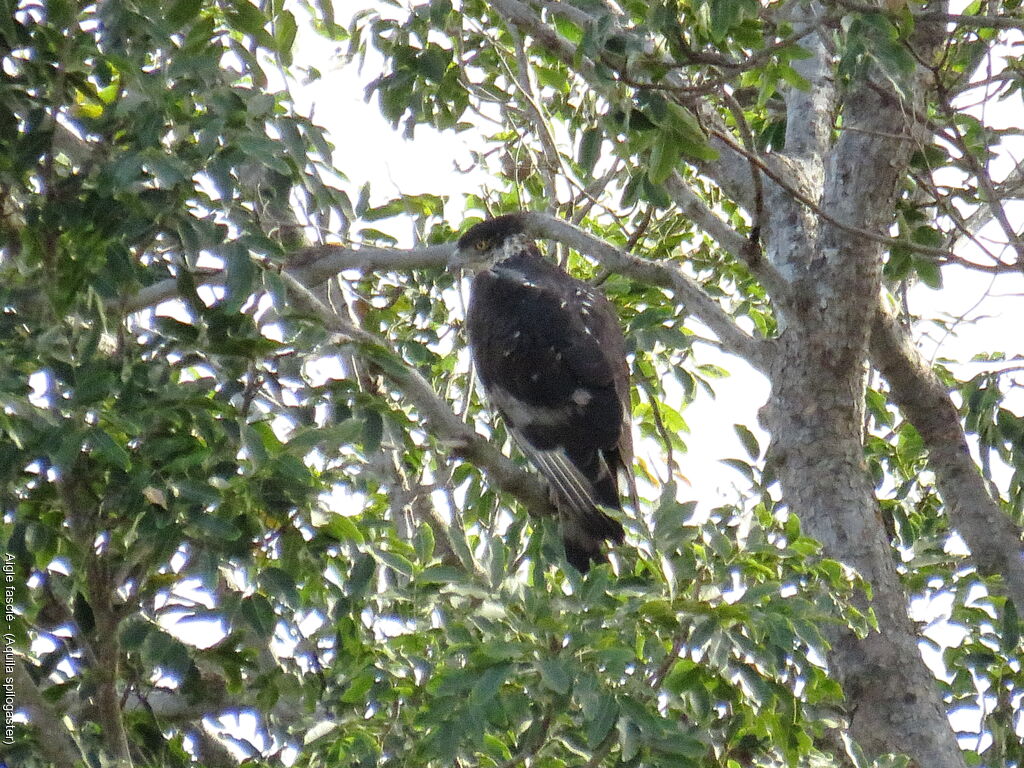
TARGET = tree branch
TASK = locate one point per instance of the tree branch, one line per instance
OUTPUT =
(320, 263)
(809, 112)
(959, 19)
(437, 414)
(108, 656)
(994, 540)
(694, 208)
(55, 740)
(312, 265)
(697, 302)
(731, 171)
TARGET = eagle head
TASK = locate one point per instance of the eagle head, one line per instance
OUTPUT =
(485, 244)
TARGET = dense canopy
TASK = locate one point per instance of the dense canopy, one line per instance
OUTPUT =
(255, 507)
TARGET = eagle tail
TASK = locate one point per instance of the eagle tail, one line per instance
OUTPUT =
(579, 487)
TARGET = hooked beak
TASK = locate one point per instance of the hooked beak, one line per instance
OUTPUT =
(472, 260)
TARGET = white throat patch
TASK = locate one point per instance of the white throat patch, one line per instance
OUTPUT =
(515, 245)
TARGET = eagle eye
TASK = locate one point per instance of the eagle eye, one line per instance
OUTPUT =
(482, 245)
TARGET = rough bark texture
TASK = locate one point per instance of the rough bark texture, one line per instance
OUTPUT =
(56, 743)
(815, 414)
(108, 654)
(994, 540)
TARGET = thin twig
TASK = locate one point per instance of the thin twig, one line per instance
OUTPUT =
(666, 664)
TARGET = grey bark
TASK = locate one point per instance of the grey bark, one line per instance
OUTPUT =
(817, 366)
(815, 416)
(54, 738)
(993, 538)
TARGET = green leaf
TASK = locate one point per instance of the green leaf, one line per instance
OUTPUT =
(134, 633)
(280, 583)
(108, 448)
(446, 739)
(604, 717)
(697, 148)
(373, 432)
(629, 739)
(424, 543)
(182, 12)
(434, 62)
(554, 675)
(725, 14)
(394, 561)
(685, 675)
(246, 17)
(358, 688)
(590, 149)
(215, 527)
(167, 652)
(749, 441)
(488, 684)
(929, 272)
(241, 277)
(794, 78)
(341, 527)
(1011, 627)
(285, 30)
(664, 157)
(440, 574)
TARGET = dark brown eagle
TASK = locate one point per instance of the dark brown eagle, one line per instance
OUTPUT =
(552, 360)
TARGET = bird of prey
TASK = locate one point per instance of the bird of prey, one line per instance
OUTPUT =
(551, 357)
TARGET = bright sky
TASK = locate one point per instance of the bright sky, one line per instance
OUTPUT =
(993, 313)
(368, 150)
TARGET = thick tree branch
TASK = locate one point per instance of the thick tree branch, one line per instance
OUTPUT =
(108, 656)
(320, 263)
(55, 741)
(815, 416)
(959, 19)
(438, 416)
(809, 112)
(311, 266)
(994, 540)
(697, 302)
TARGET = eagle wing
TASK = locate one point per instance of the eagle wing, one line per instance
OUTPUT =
(551, 357)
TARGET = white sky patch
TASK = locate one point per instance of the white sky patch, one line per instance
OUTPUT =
(441, 163)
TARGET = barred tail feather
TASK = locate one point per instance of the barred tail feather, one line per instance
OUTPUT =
(584, 526)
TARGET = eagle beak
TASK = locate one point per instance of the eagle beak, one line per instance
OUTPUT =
(457, 260)
(469, 260)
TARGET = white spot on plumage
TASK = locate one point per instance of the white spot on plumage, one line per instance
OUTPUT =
(581, 397)
(522, 414)
(535, 377)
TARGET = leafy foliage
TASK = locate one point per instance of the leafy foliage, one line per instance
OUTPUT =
(215, 507)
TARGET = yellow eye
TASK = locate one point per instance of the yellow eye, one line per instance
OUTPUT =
(482, 245)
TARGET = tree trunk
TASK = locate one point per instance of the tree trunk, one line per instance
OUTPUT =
(816, 416)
